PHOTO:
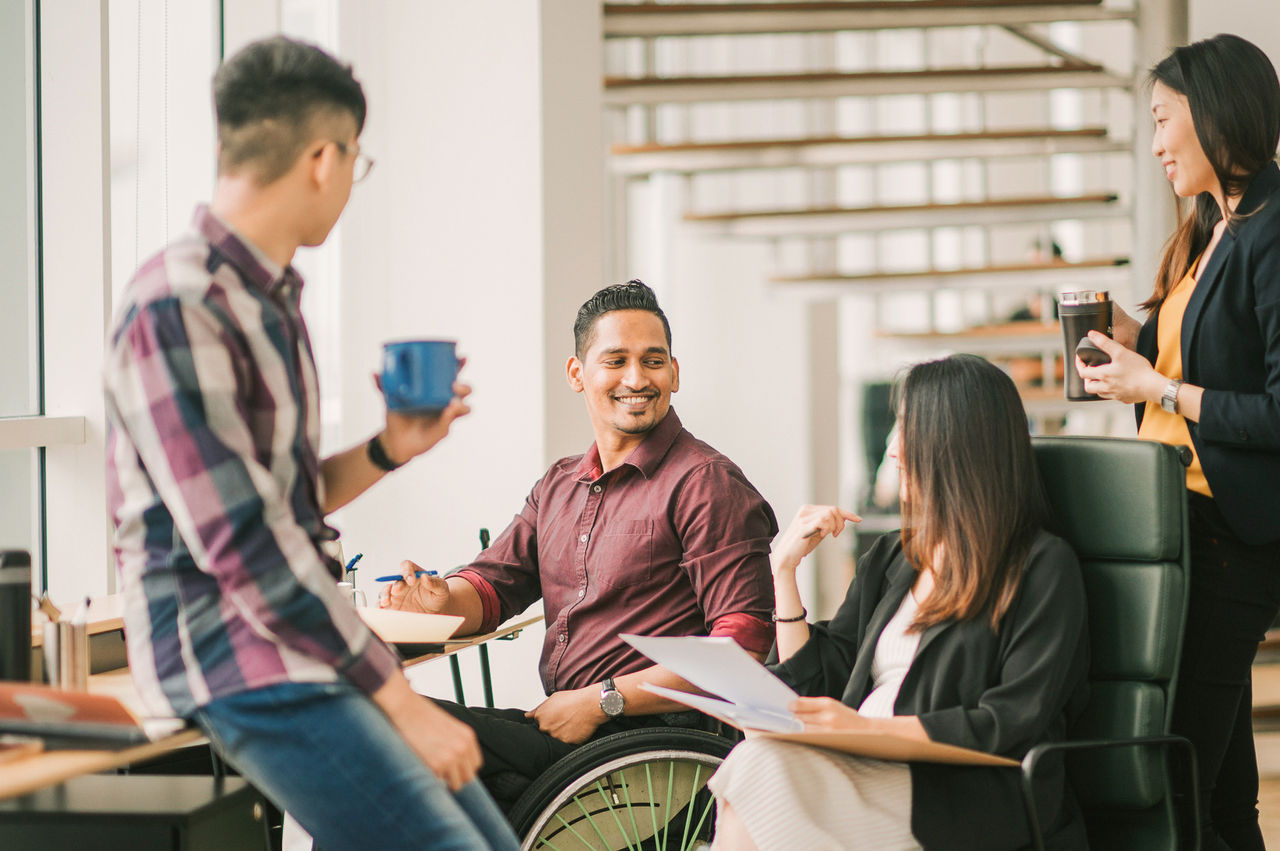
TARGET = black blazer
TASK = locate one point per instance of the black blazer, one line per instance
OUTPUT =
(997, 692)
(1231, 348)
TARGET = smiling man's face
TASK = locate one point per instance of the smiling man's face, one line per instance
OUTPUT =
(627, 376)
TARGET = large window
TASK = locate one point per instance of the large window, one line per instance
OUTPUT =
(19, 293)
(107, 144)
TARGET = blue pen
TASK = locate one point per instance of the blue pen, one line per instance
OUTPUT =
(395, 577)
(351, 565)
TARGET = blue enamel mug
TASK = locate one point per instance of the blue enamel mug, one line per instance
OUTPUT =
(418, 375)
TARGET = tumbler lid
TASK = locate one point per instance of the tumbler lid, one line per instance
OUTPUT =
(1084, 297)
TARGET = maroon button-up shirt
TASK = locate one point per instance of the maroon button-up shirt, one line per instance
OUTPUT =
(673, 541)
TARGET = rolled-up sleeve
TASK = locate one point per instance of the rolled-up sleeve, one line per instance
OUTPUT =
(174, 386)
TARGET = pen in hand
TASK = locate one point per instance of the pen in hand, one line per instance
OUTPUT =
(395, 577)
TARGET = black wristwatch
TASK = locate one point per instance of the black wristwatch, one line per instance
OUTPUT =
(379, 457)
(612, 703)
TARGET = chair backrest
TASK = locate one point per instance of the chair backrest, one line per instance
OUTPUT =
(1121, 503)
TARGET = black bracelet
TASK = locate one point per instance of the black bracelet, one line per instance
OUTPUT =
(379, 456)
(803, 614)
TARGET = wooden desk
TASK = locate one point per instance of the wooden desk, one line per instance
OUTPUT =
(106, 614)
(52, 767)
(452, 647)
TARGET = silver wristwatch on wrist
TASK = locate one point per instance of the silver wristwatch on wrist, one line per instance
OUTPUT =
(611, 700)
(1169, 398)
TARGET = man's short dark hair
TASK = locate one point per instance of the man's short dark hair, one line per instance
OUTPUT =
(269, 99)
(633, 295)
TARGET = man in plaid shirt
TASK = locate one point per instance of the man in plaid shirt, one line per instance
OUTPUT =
(218, 494)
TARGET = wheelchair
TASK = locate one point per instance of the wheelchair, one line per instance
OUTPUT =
(639, 789)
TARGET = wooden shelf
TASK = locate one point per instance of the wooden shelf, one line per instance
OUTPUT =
(633, 91)
(837, 220)
(1030, 337)
(859, 150)
(649, 20)
(1099, 273)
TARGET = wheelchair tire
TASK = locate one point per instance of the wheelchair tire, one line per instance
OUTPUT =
(640, 789)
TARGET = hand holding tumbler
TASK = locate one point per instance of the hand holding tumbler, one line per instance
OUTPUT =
(1081, 312)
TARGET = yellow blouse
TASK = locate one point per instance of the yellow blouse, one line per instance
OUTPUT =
(1157, 423)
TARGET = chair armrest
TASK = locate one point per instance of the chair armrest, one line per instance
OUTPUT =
(1034, 756)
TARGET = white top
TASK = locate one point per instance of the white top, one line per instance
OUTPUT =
(894, 652)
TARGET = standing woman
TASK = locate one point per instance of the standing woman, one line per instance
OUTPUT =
(968, 628)
(1204, 372)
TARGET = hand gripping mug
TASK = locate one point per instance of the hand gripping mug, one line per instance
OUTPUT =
(418, 375)
(1081, 311)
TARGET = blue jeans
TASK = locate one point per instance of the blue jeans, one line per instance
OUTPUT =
(326, 754)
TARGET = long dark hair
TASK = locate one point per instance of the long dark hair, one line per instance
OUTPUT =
(973, 489)
(1234, 96)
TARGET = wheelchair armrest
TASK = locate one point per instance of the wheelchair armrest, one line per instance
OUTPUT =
(1037, 753)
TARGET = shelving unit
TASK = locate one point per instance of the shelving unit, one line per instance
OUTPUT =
(921, 147)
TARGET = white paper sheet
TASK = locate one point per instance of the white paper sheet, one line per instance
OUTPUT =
(721, 667)
(742, 717)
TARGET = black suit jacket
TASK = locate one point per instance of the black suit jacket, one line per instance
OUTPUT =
(1231, 348)
(999, 692)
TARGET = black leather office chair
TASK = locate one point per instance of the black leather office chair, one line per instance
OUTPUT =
(1122, 506)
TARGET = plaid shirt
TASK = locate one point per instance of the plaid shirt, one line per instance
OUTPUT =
(214, 486)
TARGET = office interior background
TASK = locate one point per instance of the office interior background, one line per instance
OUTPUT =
(528, 153)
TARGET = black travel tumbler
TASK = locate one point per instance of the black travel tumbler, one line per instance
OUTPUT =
(1081, 312)
(15, 615)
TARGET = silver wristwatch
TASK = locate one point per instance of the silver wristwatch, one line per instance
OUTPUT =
(611, 700)
(1169, 398)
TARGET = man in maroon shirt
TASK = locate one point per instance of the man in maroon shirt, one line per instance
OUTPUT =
(651, 531)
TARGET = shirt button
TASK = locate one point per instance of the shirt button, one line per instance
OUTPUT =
(582, 538)
(561, 638)
(597, 489)
(582, 592)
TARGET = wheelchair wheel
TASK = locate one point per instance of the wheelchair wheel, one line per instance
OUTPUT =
(637, 790)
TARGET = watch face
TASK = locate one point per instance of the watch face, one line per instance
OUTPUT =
(612, 703)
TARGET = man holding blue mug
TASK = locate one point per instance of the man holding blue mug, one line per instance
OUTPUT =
(218, 494)
(649, 531)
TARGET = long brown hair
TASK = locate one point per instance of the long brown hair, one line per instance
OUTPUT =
(1234, 96)
(973, 494)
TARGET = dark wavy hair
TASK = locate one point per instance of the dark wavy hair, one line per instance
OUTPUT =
(973, 490)
(635, 294)
(1234, 95)
(268, 99)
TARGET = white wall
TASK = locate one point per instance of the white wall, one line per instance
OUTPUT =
(481, 222)
(1256, 20)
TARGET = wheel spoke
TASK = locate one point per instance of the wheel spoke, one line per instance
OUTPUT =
(626, 793)
(608, 802)
(572, 830)
(711, 802)
(653, 811)
(604, 843)
(685, 840)
(667, 816)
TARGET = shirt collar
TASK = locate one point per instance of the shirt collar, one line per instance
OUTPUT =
(646, 457)
(255, 267)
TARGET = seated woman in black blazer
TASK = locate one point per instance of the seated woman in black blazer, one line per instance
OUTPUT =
(967, 628)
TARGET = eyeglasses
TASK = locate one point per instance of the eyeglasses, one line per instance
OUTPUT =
(364, 162)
